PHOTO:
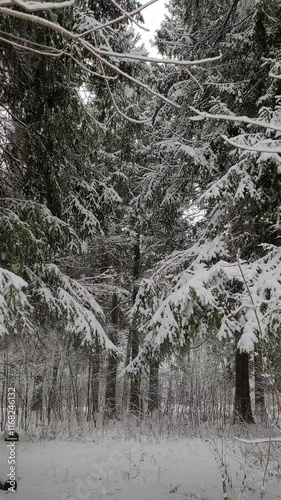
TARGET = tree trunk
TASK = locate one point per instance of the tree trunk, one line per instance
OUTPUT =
(110, 394)
(242, 404)
(125, 394)
(95, 369)
(134, 334)
(89, 410)
(37, 393)
(153, 390)
(52, 402)
(259, 385)
(73, 381)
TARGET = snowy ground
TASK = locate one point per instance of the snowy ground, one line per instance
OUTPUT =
(128, 470)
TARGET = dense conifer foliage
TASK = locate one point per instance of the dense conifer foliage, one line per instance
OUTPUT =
(140, 206)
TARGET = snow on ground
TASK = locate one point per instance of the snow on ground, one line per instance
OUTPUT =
(113, 469)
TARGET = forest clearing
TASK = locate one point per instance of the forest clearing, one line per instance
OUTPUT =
(110, 464)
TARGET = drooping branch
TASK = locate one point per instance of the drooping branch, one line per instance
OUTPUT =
(254, 148)
(233, 118)
(78, 40)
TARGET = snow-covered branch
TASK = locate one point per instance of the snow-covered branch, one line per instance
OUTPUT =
(118, 19)
(37, 6)
(116, 107)
(129, 77)
(276, 77)
(13, 300)
(233, 118)
(128, 15)
(137, 57)
(78, 39)
(259, 148)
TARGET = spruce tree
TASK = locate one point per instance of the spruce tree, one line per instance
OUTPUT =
(212, 290)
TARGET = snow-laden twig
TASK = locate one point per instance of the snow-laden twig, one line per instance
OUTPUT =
(259, 440)
(37, 48)
(30, 42)
(79, 38)
(99, 54)
(220, 459)
(233, 118)
(176, 62)
(38, 6)
(73, 36)
(31, 49)
(131, 78)
(38, 20)
(254, 149)
(118, 19)
(276, 77)
(128, 15)
(115, 105)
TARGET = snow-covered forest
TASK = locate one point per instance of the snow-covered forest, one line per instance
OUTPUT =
(140, 249)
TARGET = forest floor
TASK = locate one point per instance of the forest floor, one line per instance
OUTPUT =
(114, 468)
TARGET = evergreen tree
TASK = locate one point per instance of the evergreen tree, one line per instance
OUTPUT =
(239, 197)
(53, 198)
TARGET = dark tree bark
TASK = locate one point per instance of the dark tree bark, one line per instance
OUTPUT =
(153, 390)
(37, 393)
(73, 379)
(93, 386)
(242, 403)
(52, 402)
(110, 394)
(135, 404)
(95, 361)
(259, 385)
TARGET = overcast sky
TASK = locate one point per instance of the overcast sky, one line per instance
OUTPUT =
(153, 15)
